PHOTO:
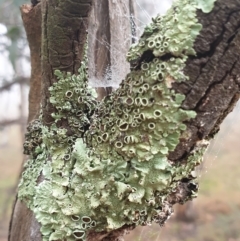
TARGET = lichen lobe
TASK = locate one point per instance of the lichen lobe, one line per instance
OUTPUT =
(205, 5)
(109, 168)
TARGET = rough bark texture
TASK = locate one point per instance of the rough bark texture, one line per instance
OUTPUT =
(64, 35)
(214, 84)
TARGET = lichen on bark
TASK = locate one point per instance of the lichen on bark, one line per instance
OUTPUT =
(110, 167)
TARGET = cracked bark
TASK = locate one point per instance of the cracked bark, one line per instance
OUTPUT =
(214, 84)
(212, 90)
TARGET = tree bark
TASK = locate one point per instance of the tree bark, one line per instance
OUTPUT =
(64, 32)
(31, 17)
(214, 78)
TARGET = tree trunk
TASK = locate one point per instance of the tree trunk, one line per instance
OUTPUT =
(212, 90)
(31, 17)
(102, 45)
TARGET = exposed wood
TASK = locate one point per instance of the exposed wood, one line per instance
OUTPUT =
(109, 40)
(99, 40)
(120, 29)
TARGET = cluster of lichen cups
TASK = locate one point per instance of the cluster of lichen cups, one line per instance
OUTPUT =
(114, 169)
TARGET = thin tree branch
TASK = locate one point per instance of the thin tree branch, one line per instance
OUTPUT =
(17, 80)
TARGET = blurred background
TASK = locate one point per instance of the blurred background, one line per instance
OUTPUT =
(213, 216)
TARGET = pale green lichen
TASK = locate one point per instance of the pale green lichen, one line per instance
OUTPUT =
(205, 5)
(173, 33)
(108, 167)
